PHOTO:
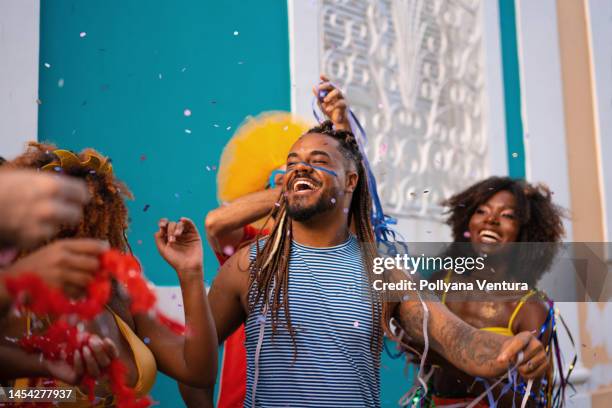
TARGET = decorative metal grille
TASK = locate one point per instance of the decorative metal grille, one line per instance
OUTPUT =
(413, 73)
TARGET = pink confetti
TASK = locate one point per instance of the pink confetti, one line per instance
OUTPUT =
(143, 157)
(139, 242)
(228, 250)
(187, 112)
(467, 234)
(83, 34)
(356, 323)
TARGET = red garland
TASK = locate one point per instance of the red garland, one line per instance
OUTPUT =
(62, 339)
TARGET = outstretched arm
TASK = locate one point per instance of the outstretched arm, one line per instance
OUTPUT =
(476, 352)
(225, 224)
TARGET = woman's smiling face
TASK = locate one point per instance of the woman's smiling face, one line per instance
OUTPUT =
(495, 221)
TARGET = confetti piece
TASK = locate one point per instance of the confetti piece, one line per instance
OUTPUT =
(215, 125)
(240, 62)
(146, 340)
(179, 305)
(208, 168)
(139, 242)
(228, 250)
(214, 167)
(38, 101)
(188, 131)
(345, 210)
(277, 204)
(213, 102)
(183, 69)
(47, 65)
(515, 155)
(286, 128)
(333, 201)
(60, 83)
(187, 112)
(356, 323)
(383, 148)
(146, 207)
(83, 34)
(160, 76)
(405, 298)
(176, 195)
(228, 128)
(143, 158)
(425, 191)
(173, 297)
(236, 33)
(467, 234)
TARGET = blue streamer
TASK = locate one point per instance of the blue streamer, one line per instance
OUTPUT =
(381, 222)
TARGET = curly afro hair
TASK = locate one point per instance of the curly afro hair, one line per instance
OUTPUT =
(105, 217)
(539, 218)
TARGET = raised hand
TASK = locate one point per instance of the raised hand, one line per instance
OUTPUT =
(179, 243)
(333, 104)
(35, 205)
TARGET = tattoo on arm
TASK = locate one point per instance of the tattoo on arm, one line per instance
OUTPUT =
(462, 345)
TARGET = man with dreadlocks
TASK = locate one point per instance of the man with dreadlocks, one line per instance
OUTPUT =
(313, 323)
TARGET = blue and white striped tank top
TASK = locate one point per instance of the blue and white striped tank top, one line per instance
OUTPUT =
(331, 312)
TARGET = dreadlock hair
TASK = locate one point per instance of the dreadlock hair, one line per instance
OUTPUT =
(269, 270)
(105, 217)
(539, 218)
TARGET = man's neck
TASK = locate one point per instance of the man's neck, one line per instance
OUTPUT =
(323, 230)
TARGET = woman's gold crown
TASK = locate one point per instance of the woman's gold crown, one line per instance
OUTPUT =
(68, 161)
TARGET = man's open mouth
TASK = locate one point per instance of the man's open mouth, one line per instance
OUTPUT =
(304, 186)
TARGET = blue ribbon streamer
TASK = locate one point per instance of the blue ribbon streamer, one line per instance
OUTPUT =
(384, 234)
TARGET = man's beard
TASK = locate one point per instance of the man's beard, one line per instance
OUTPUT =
(298, 212)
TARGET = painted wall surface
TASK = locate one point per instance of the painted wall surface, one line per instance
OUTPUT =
(122, 75)
(18, 74)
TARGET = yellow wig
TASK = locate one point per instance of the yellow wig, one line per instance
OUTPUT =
(259, 146)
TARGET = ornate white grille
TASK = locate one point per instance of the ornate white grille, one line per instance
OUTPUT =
(413, 73)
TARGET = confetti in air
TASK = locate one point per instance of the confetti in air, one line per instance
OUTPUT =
(467, 234)
(146, 340)
(188, 131)
(356, 323)
(236, 33)
(60, 83)
(83, 34)
(139, 242)
(47, 65)
(187, 112)
(515, 155)
(146, 207)
(228, 250)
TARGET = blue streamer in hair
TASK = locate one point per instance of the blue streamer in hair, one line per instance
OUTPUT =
(384, 234)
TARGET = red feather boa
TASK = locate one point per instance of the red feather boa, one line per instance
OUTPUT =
(62, 338)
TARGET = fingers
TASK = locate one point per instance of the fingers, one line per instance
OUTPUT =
(534, 367)
(332, 96)
(58, 212)
(99, 352)
(78, 364)
(73, 191)
(110, 348)
(85, 246)
(171, 232)
(90, 362)
(512, 347)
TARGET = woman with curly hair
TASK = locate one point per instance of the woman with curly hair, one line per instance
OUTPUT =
(142, 343)
(485, 219)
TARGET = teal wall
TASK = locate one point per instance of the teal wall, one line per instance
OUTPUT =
(512, 90)
(113, 99)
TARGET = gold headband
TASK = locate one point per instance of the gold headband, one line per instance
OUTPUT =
(69, 161)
